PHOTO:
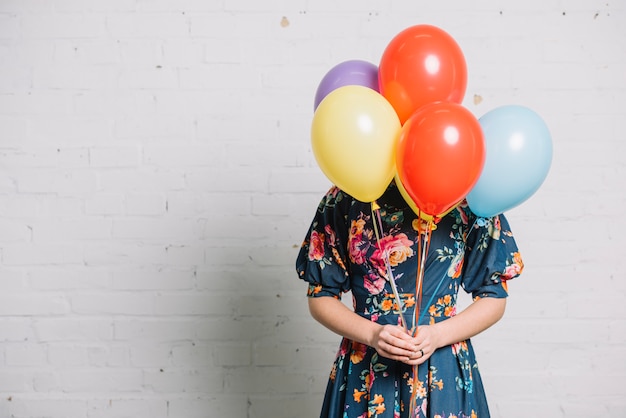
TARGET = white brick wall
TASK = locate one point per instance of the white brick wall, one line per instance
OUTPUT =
(156, 179)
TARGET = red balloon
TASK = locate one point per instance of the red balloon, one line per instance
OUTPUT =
(422, 64)
(440, 156)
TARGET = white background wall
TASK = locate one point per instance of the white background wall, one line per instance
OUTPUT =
(156, 180)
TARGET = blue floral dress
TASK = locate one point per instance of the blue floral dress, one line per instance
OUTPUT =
(343, 252)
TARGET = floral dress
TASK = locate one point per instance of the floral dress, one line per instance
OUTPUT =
(343, 251)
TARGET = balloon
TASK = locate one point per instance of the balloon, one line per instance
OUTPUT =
(353, 72)
(412, 204)
(519, 155)
(421, 65)
(353, 136)
(439, 156)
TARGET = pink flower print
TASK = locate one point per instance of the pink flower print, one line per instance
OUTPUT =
(374, 284)
(397, 247)
(357, 249)
(514, 269)
(316, 246)
(331, 237)
(344, 348)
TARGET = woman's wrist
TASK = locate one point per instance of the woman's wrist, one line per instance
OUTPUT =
(437, 335)
(371, 333)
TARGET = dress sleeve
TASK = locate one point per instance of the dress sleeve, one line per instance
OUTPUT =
(491, 258)
(322, 260)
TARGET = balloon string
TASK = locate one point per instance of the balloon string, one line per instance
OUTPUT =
(413, 404)
(432, 297)
(423, 245)
(378, 226)
(377, 222)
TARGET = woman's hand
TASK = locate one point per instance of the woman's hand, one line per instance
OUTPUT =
(395, 343)
(390, 341)
(427, 341)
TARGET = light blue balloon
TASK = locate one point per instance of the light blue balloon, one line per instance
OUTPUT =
(518, 149)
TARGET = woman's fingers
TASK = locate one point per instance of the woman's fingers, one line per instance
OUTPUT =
(424, 345)
(395, 343)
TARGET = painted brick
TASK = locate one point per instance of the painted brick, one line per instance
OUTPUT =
(72, 329)
(197, 380)
(109, 356)
(157, 180)
(51, 26)
(121, 408)
(147, 25)
(129, 303)
(26, 304)
(64, 355)
(25, 355)
(227, 405)
(25, 406)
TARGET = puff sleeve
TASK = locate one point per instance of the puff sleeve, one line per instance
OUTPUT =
(491, 258)
(322, 260)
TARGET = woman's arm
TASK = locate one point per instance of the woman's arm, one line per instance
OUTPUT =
(393, 341)
(477, 317)
(390, 341)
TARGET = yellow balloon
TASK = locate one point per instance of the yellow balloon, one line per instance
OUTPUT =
(353, 136)
(425, 216)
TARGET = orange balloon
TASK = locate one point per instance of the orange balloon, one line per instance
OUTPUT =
(421, 65)
(440, 156)
(423, 215)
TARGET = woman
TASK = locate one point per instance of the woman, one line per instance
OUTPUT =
(385, 367)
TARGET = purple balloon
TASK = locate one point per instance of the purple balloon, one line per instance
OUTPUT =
(347, 73)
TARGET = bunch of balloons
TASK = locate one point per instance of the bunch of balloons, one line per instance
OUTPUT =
(403, 120)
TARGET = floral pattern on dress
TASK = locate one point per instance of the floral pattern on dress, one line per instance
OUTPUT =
(344, 252)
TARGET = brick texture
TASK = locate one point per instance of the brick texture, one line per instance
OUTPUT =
(156, 180)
